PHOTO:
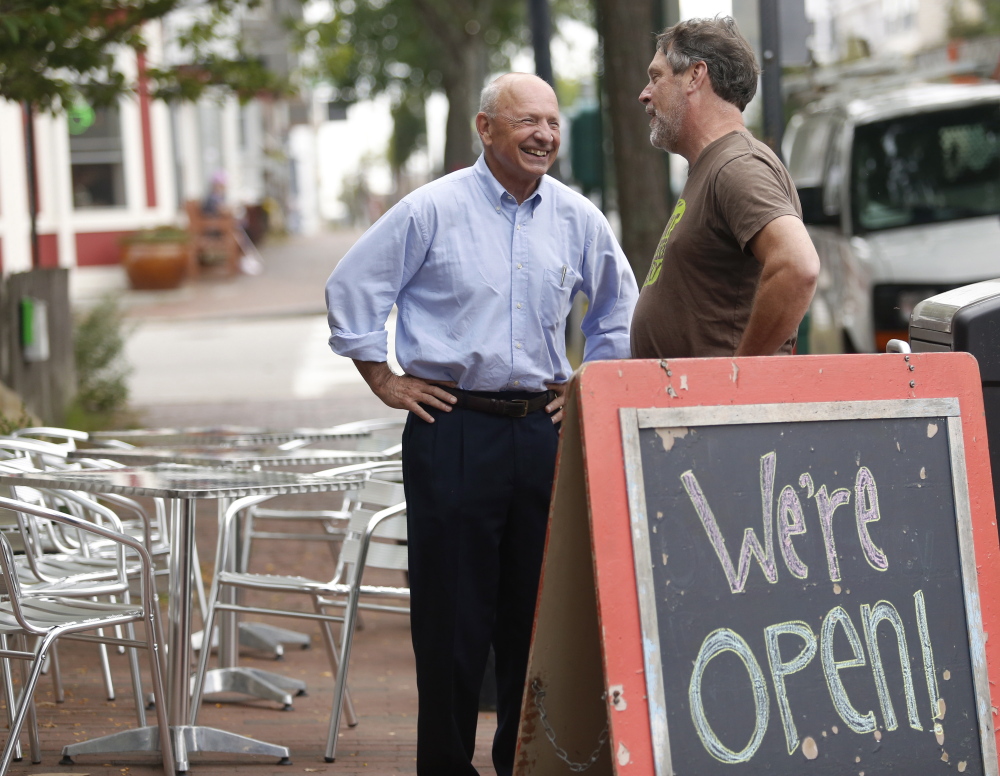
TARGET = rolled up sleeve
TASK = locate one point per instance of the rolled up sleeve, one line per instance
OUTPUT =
(610, 286)
(364, 285)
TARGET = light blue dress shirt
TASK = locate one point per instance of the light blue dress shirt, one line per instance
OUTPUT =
(483, 285)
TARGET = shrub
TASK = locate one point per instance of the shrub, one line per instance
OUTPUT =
(101, 369)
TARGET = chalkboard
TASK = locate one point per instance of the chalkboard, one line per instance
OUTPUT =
(807, 589)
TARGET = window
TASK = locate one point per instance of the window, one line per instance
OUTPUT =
(927, 167)
(95, 150)
(809, 142)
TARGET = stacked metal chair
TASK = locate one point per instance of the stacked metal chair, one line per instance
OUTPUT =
(48, 614)
(374, 537)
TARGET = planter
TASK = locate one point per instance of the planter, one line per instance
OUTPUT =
(156, 260)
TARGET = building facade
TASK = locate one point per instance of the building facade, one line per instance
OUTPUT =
(102, 173)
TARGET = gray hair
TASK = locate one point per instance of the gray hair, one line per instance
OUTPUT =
(732, 66)
(489, 98)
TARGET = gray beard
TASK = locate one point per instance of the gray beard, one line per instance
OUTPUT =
(662, 135)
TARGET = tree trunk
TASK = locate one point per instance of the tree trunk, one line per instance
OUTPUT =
(462, 85)
(639, 168)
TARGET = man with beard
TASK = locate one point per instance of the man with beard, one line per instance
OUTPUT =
(483, 265)
(735, 270)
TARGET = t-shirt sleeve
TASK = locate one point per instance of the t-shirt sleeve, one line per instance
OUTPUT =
(750, 193)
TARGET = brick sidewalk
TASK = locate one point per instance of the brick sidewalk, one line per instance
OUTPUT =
(381, 681)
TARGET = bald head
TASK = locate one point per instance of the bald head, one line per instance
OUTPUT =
(518, 125)
(504, 88)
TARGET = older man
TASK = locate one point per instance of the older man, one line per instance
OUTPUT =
(483, 265)
(735, 269)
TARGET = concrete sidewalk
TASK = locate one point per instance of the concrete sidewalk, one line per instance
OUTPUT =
(293, 274)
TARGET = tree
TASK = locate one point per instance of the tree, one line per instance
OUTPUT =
(640, 172)
(410, 48)
(962, 24)
(55, 53)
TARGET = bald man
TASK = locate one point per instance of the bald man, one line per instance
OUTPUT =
(482, 265)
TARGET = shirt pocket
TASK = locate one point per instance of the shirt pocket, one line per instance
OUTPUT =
(556, 296)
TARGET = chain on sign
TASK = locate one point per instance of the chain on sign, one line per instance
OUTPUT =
(536, 688)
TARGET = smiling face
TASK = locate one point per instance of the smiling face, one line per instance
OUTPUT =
(521, 141)
(665, 103)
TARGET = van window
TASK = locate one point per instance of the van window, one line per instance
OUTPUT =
(925, 168)
(807, 155)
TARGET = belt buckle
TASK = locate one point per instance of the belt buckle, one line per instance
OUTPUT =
(518, 408)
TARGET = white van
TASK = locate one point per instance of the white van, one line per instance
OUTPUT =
(901, 195)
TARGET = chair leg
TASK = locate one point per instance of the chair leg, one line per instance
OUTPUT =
(203, 654)
(102, 651)
(22, 706)
(34, 745)
(152, 622)
(133, 664)
(8, 686)
(199, 583)
(57, 683)
(347, 638)
(246, 545)
(334, 657)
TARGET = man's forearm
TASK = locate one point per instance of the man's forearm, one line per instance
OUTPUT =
(376, 373)
(781, 302)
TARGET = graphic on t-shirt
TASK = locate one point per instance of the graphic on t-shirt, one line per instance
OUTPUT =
(661, 248)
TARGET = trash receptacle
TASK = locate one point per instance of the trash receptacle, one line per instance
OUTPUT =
(967, 319)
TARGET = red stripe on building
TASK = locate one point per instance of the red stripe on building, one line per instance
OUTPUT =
(147, 131)
(95, 249)
(48, 250)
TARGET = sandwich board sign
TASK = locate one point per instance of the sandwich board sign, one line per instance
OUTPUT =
(780, 565)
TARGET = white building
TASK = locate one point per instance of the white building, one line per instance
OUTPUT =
(103, 173)
(882, 28)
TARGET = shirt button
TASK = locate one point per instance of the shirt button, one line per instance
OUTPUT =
(518, 305)
(517, 382)
(519, 227)
(498, 208)
(519, 266)
(518, 346)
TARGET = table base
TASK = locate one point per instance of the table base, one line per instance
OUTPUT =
(268, 638)
(187, 740)
(254, 682)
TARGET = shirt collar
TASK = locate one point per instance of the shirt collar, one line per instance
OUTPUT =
(495, 192)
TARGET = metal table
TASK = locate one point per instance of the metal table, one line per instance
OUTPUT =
(183, 486)
(253, 635)
(242, 435)
(248, 456)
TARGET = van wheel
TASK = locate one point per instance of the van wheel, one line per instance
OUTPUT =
(846, 345)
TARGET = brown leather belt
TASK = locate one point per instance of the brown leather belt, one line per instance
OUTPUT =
(511, 408)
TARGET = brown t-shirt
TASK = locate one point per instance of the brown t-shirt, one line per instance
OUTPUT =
(697, 297)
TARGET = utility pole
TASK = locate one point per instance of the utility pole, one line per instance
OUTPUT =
(770, 44)
(29, 151)
(541, 34)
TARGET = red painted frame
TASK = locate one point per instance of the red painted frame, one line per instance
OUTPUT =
(604, 387)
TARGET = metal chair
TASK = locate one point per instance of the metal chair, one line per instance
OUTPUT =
(52, 617)
(375, 537)
(381, 435)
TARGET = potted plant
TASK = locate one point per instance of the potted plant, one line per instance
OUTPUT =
(156, 258)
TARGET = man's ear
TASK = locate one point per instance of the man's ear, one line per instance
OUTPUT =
(483, 128)
(697, 77)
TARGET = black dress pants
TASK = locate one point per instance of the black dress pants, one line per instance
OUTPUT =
(477, 496)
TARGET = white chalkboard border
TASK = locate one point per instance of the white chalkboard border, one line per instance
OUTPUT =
(633, 419)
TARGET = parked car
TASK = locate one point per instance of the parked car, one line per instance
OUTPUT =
(901, 194)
